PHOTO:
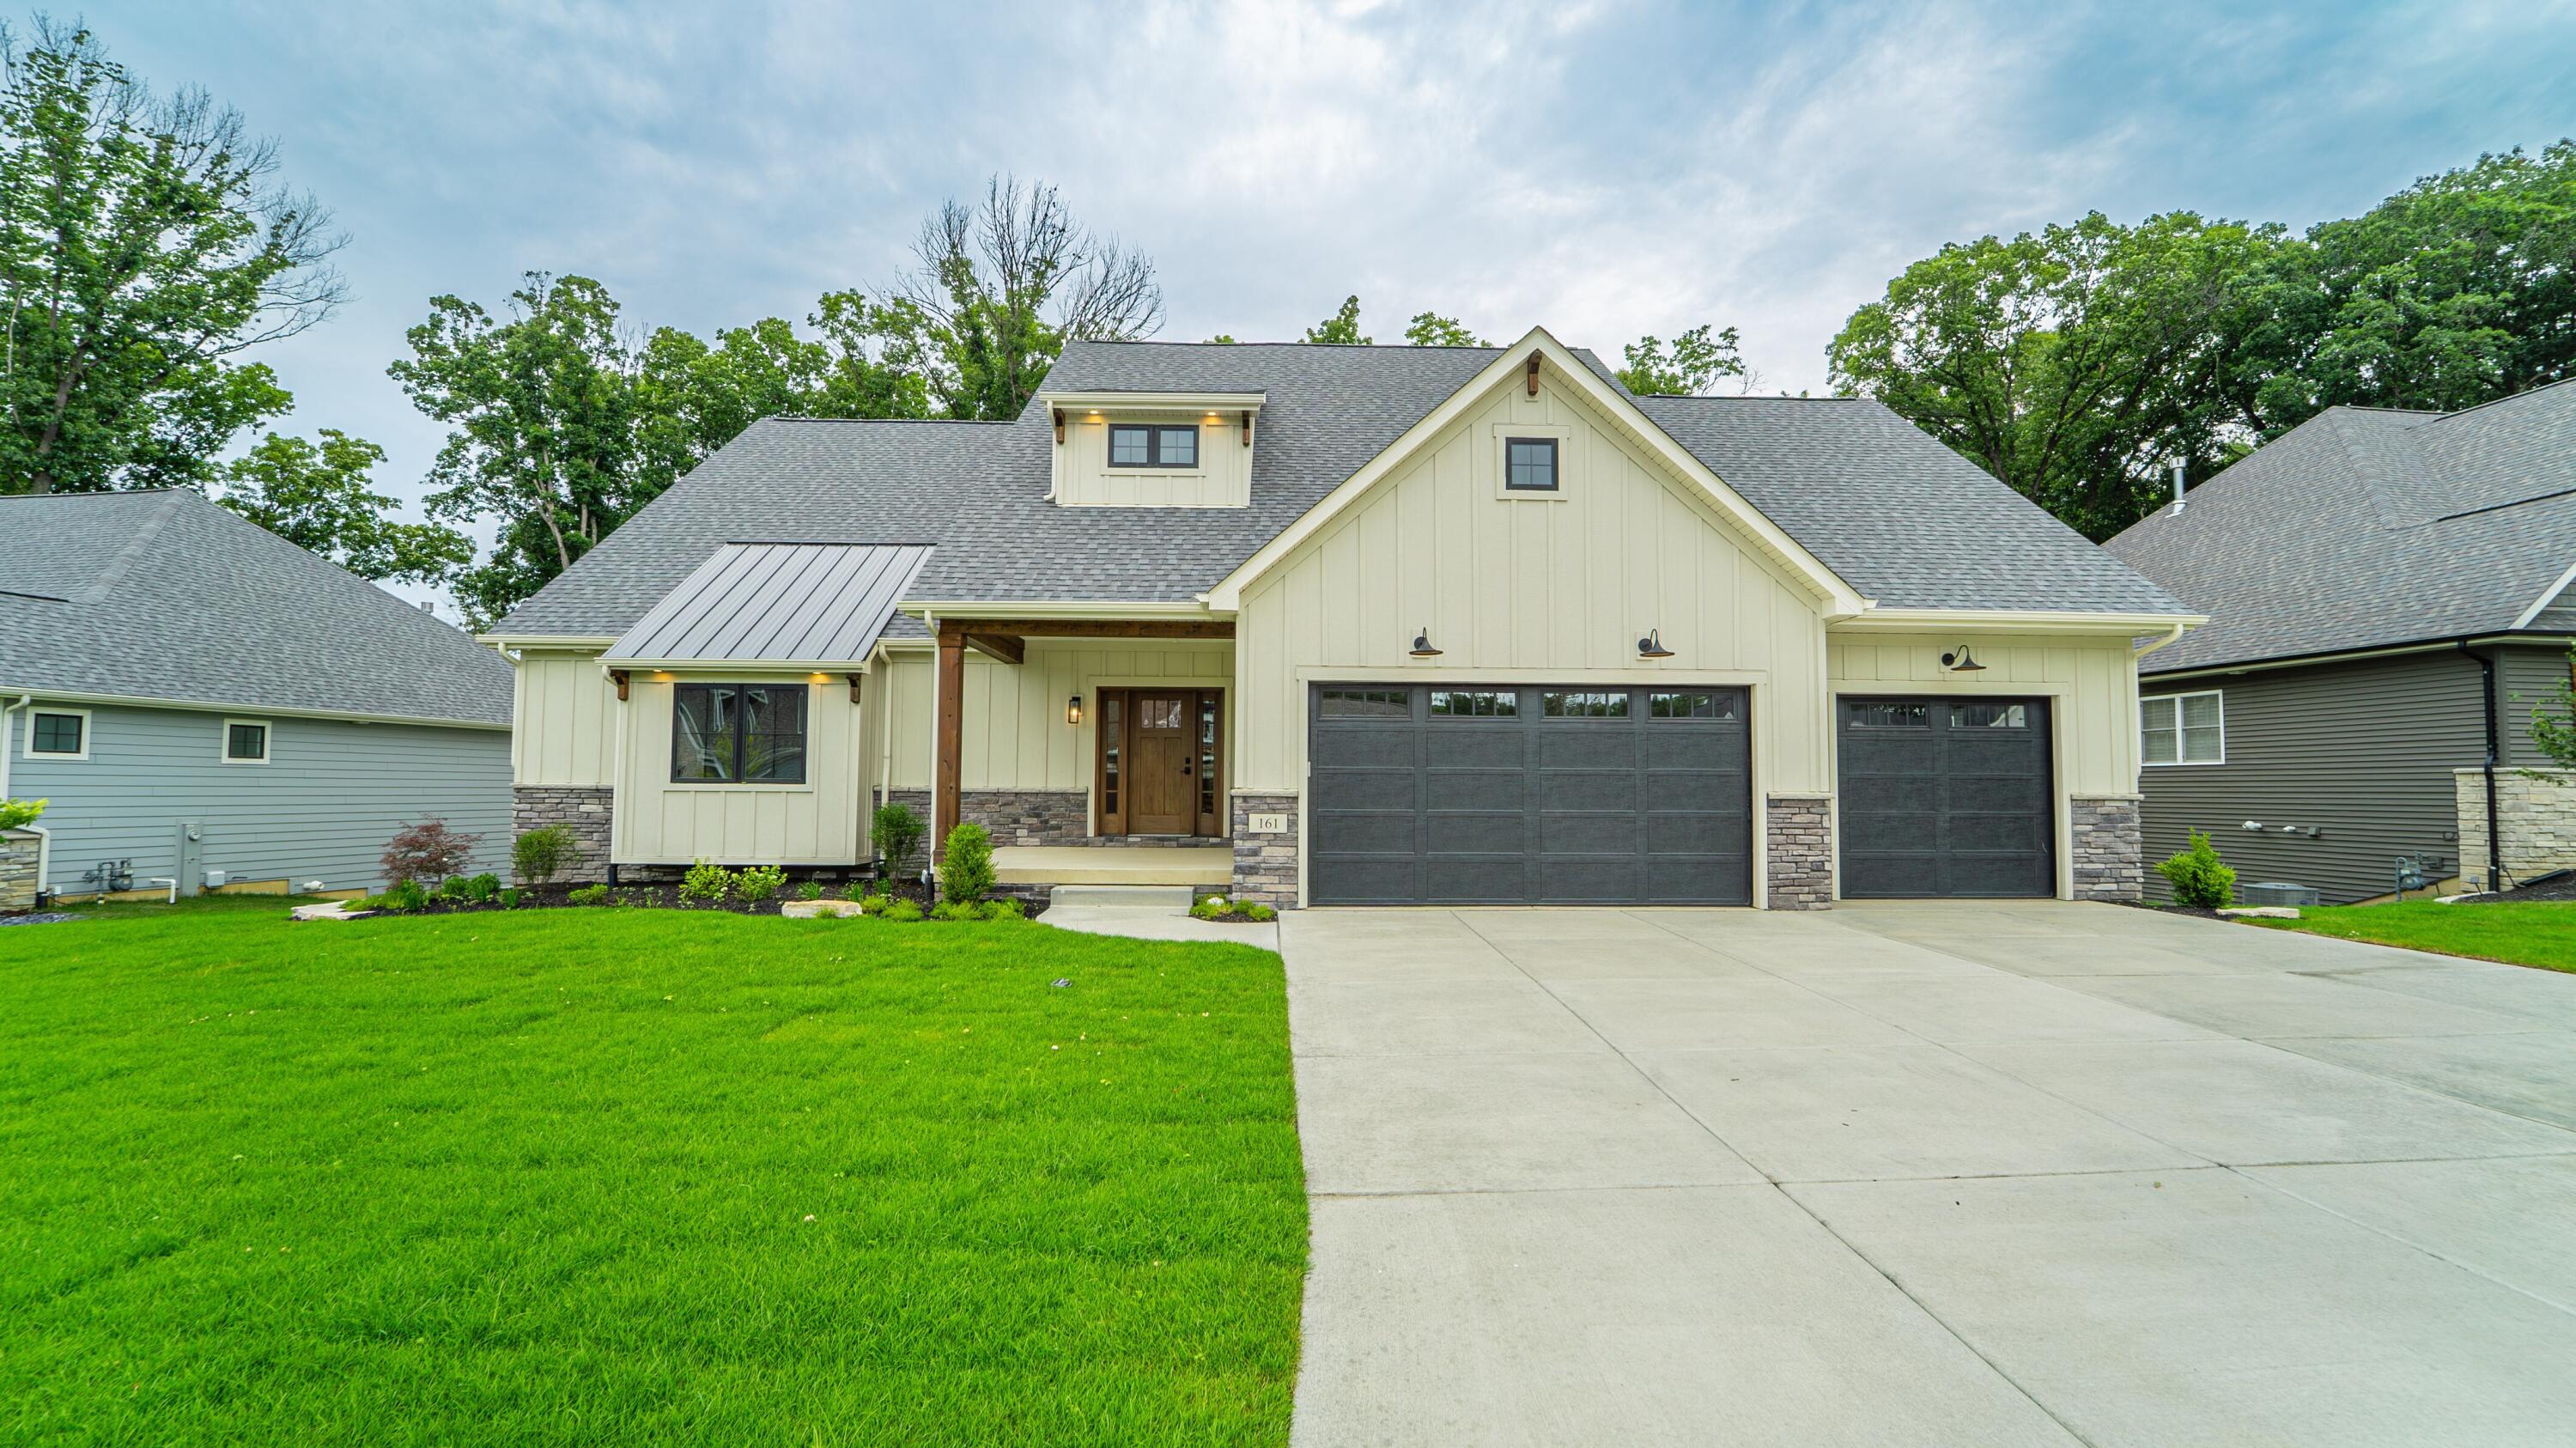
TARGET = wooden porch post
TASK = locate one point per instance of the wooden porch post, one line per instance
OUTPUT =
(952, 687)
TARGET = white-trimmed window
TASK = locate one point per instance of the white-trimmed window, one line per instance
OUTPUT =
(2183, 729)
(245, 741)
(57, 734)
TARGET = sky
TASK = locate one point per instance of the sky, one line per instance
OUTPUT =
(1606, 169)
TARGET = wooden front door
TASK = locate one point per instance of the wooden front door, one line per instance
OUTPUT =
(1159, 755)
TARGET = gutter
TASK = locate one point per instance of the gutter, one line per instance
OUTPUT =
(2172, 632)
(2495, 822)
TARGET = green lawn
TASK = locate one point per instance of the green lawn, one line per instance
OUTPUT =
(2542, 934)
(580, 1176)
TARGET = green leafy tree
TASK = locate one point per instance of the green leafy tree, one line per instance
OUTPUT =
(1428, 329)
(144, 246)
(322, 498)
(998, 289)
(2076, 363)
(1687, 366)
(2553, 724)
(1342, 328)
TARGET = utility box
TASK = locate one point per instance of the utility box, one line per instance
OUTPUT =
(2276, 892)
(187, 872)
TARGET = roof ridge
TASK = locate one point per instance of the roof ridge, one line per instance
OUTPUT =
(2491, 402)
(123, 560)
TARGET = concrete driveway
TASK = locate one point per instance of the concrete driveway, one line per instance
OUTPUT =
(1927, 1174)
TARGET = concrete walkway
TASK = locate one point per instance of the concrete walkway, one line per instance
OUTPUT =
(1927, 1174)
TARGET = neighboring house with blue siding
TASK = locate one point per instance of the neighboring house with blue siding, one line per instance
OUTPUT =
(206, 703)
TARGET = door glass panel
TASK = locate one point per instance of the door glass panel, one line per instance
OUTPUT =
(1112, 735)
(1207, 756)
(1158, 713)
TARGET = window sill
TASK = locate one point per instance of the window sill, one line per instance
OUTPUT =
(2181, 764)
(1192, 474)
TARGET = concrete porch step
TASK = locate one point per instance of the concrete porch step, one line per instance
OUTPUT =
(1171, 898)
(1187, 866)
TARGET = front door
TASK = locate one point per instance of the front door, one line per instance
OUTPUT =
(1160, 752)
(1165, 780)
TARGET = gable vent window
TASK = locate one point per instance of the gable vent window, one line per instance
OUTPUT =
(1529, 464)
(2183, 729)
(1134, 445)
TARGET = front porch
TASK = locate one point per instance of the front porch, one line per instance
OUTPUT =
(1201, 867)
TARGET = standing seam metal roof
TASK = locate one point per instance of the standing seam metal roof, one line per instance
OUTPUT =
(769, 602)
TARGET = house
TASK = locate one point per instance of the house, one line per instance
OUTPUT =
(1356, 625)
(2388, 602)
(205, 703)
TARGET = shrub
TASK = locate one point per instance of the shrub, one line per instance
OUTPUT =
(1005, 908)
(759, 882)
(588, 895)
(403, 895)
(541, 853)
(966, 865)
(810, 890)
(706, 881)
(17, 814)
(956, 910)
(509, 898)
(483, 888)
(428, 851)
(874, 904)
(2199, 878)
(904, 911)
(1212, 907)
(1257, 911)
(896, 832)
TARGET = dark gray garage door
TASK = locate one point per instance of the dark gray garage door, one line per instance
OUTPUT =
(1529, 795)
(1945, 797)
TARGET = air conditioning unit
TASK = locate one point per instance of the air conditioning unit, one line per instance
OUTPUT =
(2275, 892)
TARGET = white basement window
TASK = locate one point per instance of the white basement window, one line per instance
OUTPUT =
(245, 741)
(57, 734)
(2183, 729)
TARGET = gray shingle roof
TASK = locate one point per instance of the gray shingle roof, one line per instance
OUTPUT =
(766, 602)
(2364, 528)
(165, 595)
(1848, 479)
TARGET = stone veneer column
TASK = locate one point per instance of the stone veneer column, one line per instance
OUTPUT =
(1265, 865)
(18, 853)
(1798, 851)
(2110, 851)
(584, 810)
(2539, 809)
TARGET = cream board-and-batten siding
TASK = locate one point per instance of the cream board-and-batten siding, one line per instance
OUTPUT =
(1014, 734)
(1531, 590)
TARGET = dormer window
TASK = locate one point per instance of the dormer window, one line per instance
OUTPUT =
(1139, 445)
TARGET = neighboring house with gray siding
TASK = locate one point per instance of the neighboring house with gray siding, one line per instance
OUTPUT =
(2389, 600)
(202, 701)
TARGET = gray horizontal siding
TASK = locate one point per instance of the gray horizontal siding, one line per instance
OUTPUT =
(2529, 679)
(322, 808)
(2364, 751)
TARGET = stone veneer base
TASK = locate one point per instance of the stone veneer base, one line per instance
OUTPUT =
(1798, 851)
(2539, 809)
(1265, 865)
(586, 811)
(2110, 848)
(19, 850)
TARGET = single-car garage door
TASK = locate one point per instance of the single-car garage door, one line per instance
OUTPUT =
(1945, 797)
(1529, 795)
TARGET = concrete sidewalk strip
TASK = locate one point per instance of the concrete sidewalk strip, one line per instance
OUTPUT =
(1498, 1123)
(2204, 1307)
(2242, 1103)
(1708, 1315)
(2280, 1004)
(2509, 1218)
(2532, 1074)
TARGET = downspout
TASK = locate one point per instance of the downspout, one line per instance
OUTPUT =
(2495, 822)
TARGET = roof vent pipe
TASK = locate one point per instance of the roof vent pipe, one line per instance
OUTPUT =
(2177, 486)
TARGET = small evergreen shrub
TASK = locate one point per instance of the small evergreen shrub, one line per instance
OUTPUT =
(587, 895)
(1258, 911)
(966, 865)
(903, 911)
(896, 832)
(452, 889)
(706, 881)
(759, 882)
(957, 910)
(403, 895)
(428, 851)
(482, 889)
(509, 898)
(540, 854)
(2199, 878)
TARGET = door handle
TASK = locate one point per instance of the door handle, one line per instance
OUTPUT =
(1185, 768)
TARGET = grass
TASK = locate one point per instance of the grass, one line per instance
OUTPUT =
(575, 1176)
(2530, 933)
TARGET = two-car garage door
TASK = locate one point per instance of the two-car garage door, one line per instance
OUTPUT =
(1529, 795)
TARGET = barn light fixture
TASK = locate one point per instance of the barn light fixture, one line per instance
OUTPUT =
(1652, 645)
(1073, 710)
(1422, 648)
(1961, 662)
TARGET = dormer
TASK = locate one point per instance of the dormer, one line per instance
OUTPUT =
(1152, 449)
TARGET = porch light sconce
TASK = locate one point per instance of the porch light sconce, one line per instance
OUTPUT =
(1422, 648)
(1073, 710)
(1652, 645)
(1961, 662)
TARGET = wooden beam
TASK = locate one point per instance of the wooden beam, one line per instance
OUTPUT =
(1533, 374)
(951, 742)
(1008, 648)
(1090, 628)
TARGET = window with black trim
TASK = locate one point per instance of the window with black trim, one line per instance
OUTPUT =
(1584, 705)
(1529, 464)
(738, 734)
(57, 733)
(245, 742)
(1691, 704)
(1366, 704)
(1139, 445)
(1475, 704)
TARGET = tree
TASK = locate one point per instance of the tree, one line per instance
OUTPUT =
(1427, 329)
(1687, 367)
(542, 412)
(1342, 328)
(143, 249)
(322, 499)
(2075, 364)
(998, 290)
(2554, 734)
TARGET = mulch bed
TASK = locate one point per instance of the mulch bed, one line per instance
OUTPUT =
(665, 895)
(2554, 886)
(41, 917)
(2166, 908)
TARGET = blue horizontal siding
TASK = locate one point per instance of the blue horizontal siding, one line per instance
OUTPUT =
(322, 808)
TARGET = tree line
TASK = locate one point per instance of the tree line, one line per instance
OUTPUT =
(148, 250)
